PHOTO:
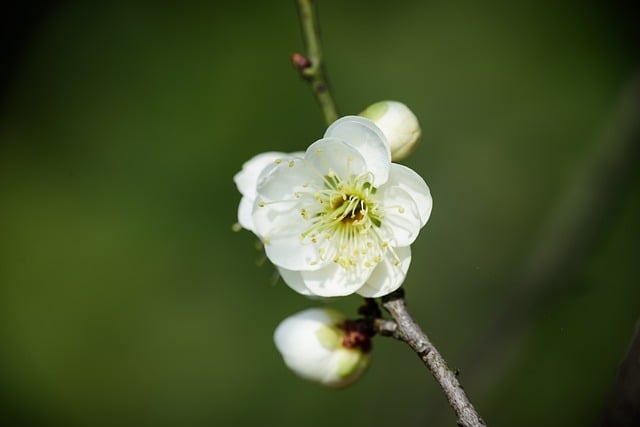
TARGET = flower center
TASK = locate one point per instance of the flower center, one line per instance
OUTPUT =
(344, 222)
(349, 209)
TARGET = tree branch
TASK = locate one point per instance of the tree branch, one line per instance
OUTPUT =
(407, 330)
(311, 68)
(311, 65)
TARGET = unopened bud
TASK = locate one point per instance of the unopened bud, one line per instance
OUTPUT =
(398, 124)
(312, 344)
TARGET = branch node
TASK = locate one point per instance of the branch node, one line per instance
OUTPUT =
(386, 328)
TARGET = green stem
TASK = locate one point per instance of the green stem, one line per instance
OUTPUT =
(311, 66)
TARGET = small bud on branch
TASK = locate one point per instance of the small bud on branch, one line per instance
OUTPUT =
(302, 64)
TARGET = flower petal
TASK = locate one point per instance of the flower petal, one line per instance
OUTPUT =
(277, 216)
(293, 279)
(401, 223)
(368, 139)
(245, 213)
(387, 276)
(408, 180)
(282, 181)
(247, 181)
(332, 155)
(279, 227)
(334, 280)
(281, 240)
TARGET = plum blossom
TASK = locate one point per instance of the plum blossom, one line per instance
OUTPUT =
(340, 218)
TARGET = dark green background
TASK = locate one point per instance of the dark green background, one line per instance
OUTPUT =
(126, 299)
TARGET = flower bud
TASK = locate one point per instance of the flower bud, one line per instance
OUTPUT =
(312, 345)
(398, 124)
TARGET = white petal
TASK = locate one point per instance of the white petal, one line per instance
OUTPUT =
(277, 218)
(247, 181)
(245, 213)
(293, 279)
(334, 280)
(387, 276)
(333, 155)
(401, 222)
(368, 139)
(406, 179)
(280, 231)
(282, 181)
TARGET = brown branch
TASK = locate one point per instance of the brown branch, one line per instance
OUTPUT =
(407, 330)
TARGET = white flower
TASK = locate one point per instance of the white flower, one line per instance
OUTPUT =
(311, 344)
(399, 125)
(340, 219)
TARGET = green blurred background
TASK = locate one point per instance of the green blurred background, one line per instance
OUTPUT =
(126, 299)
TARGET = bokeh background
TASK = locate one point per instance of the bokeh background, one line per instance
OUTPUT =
(126, 299)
